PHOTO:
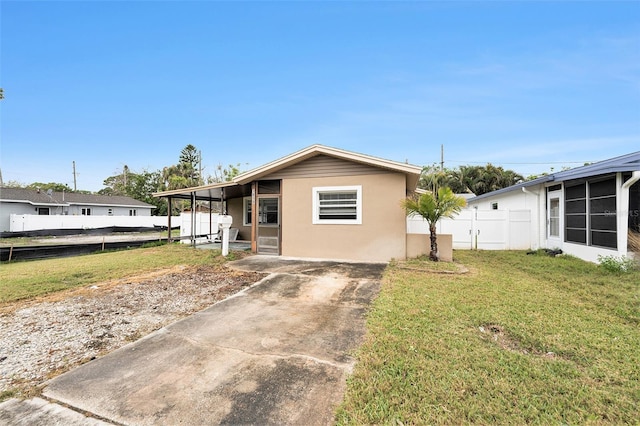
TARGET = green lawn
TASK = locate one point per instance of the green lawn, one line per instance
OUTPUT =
(518, 339)
(22, 280)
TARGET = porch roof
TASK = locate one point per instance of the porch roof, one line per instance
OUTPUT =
(212, 192)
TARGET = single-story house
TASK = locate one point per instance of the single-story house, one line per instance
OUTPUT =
(319, 202)
(588, 211)
(21, 201)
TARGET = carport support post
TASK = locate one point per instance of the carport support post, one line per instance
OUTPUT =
(169, 219)
(254, 218)
(193, 219)
(210, 219)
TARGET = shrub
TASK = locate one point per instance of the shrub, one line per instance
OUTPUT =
(616, 264)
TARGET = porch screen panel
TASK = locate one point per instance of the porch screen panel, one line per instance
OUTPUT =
(602, 213)
(575, 208)
(269, 187)
(634, 217)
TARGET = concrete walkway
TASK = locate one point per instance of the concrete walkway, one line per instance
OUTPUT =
(276, 353)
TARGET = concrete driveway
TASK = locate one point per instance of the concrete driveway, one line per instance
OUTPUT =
(276, 353)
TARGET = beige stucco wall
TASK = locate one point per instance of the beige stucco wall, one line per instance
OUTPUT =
(419, 244)
(235, 209)
(380, 237)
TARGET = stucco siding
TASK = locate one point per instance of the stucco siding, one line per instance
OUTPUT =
(235, 209)
(380, 237)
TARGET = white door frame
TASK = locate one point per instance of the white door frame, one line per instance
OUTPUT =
(555, 197)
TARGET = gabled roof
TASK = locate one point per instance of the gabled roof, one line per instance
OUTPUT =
(215, 191)
(412, 172)
(624, 163)
(67, 198)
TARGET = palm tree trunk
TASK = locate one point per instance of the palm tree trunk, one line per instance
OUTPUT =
(433, 255)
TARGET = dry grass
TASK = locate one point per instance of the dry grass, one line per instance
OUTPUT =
(634, 241)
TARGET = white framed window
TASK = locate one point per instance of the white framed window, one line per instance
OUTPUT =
(86, 212)
(110, 212)
(338, 205)
(246, 211)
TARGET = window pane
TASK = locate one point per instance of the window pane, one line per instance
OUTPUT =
(577, 191)
(603, 222)
(604, 239)
(577, 206)
(554, 207)
(576, 236)
(247, 212)
(269, 187)
(268, 211)
(576, 221)
(603, 205)
(554, 227)
(602, 188)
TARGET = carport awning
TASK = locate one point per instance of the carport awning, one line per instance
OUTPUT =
(213, 192)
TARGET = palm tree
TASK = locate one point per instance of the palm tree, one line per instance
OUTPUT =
(433, 206)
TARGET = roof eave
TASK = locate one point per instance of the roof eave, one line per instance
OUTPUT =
(315, 150)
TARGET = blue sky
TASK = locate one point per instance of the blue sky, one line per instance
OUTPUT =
(526, 85)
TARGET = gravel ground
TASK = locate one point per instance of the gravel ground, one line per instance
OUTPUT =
(42, 338)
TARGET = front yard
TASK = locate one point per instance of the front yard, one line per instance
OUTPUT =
(508, 338)
(518, 339)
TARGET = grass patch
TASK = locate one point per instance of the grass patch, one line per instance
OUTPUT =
(22, 280)
(519, 339)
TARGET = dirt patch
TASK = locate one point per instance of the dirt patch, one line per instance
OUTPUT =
(504, 340)
(47, 336)
(434, 267)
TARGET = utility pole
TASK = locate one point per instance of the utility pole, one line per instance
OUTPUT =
(74, 177)
(442, 157)
(201, 181)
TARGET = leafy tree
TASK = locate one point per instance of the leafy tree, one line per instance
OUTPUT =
(13, 184)
(190, 160)
(139, 186)
(224, 174)
(186, 173)
(434, 178)
(433, 206)
(56, 187)
(469, 179)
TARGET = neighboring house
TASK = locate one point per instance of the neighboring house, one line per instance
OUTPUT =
(319, 202)
(587, 212)
(20, 201)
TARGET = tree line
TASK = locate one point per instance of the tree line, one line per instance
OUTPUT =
(187, 172)
(476, 180)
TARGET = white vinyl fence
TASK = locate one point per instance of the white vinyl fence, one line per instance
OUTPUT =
(482, 229)
(31, 222)
(203, 226)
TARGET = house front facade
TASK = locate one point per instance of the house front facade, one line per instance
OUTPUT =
(320, 202)
(587, 212)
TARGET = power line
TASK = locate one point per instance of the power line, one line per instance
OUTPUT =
(522, 164)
